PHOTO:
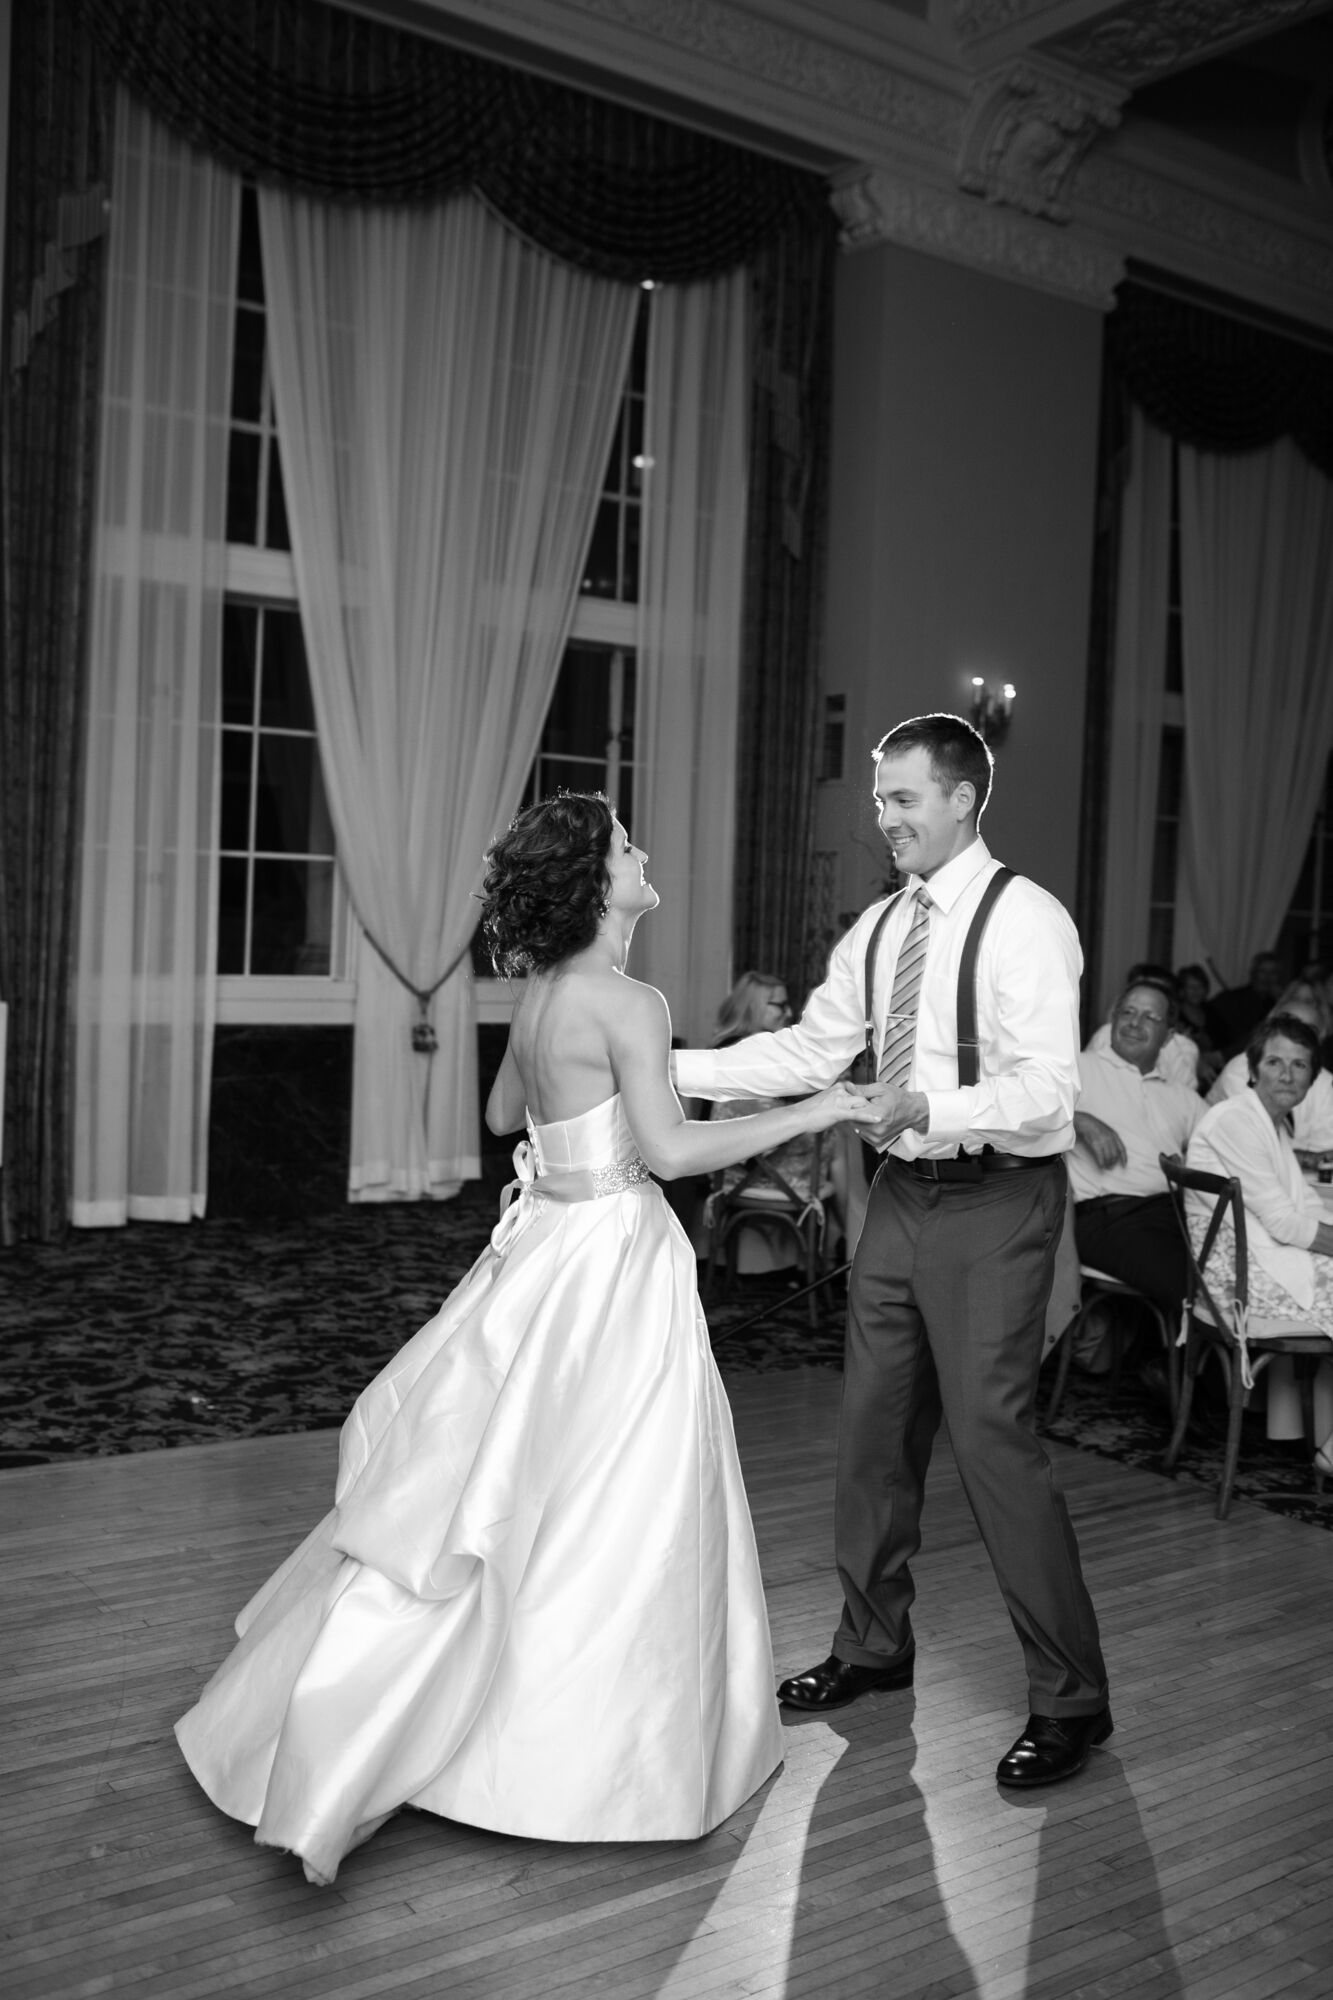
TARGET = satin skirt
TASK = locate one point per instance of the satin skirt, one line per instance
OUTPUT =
(535, 1605)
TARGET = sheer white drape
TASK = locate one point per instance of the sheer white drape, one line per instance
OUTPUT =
(1256, 585)
(446, 398)
(1137, 700)
(689, 640)
(144, 983)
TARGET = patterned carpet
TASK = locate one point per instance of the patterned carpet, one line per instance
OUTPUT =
(153, 1336)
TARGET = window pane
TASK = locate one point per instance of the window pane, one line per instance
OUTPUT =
(235, 833)
(247, 374)
(627, 704)
(285, 702)
(625, 801)
(277, 533)
(240, 637)
(290, 814)
(629, 573)
(232, 876)
(1164, 862)
(570, 774)
(601, 571)
(1171, 774)
(250, 264)
(292, 923)
(614, 482)
(243, 487)
(576, 722)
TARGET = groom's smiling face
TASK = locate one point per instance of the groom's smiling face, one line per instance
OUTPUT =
(924, 825)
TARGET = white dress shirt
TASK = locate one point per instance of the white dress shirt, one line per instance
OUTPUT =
(1151, 1114)
(1237, 1138)
(1311, 1121)
(1178, 1062)
(1027, 1021)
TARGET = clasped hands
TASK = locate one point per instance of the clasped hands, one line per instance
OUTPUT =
(883, 1111)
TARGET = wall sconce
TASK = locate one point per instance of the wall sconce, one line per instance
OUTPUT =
(990, 713)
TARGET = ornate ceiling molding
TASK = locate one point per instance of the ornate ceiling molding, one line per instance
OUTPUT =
(875, 206)
(975, 19)
(1135, 43)
(1190, 230)
(855, 85)
(1027, 129)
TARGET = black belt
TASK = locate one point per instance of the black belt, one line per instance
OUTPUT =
(972, 1166)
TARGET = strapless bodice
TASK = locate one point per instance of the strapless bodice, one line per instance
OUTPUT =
(597, 1138)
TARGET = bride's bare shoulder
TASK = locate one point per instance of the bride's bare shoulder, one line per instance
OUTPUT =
(630, 1002)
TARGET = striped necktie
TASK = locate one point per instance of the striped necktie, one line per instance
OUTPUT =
(895, 1062)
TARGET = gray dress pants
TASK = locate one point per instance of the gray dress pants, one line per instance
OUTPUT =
(945, 1316)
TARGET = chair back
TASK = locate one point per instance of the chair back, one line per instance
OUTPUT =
(761, 1176)
(1226, 1198)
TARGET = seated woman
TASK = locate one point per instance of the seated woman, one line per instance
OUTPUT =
(814, 1174)
(1288, 1230)
(1312, 1120)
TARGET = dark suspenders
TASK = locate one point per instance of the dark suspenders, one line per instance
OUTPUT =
(969, 1062)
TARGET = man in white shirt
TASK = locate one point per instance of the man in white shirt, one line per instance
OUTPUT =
(1129, 1113)
(1178, 1058)
(948, 1291)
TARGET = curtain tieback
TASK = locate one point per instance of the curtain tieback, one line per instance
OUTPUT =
(424, 1039)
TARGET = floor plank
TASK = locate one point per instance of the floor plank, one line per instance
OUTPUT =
(1193, 1858)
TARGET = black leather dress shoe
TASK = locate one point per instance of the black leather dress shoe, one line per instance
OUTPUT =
(1053, 1747)
(837, 1682)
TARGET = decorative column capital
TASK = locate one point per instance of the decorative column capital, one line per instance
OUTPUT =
(875, 206)
(1027, 128)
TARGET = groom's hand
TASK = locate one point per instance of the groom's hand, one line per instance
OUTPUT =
(894, 1111)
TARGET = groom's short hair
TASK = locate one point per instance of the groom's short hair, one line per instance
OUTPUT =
(958, 753)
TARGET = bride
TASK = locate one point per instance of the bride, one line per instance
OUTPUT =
(536, 1604)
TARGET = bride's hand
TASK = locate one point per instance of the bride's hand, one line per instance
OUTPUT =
(840, 1104)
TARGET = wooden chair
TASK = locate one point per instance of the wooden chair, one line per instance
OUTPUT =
(1097, 1286)
(1214, 1327)
(765, 1199)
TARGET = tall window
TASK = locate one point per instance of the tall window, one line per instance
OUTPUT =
(282, 917)
(283, 921)
(588, 743)
(1305, 935)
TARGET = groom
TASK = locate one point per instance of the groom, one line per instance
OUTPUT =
(951, 1277)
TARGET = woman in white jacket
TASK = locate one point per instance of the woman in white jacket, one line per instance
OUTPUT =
(1288, 1229)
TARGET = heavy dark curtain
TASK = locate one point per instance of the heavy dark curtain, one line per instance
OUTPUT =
(1219, 383)
(48, 436)
(345, 108)
(792, 293)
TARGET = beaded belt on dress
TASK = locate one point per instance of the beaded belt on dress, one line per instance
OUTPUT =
(574, 1183)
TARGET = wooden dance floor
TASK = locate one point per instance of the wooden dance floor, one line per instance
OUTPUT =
(1193, 1857)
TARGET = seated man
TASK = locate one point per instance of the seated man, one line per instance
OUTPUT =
(1179, 1059)
(1128, 1113)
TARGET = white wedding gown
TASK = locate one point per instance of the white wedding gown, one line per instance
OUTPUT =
(536, 1604)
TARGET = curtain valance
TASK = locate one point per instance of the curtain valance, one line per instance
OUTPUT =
(342, 108)
(1218, 383)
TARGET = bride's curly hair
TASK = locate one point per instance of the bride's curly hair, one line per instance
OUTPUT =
(545, 886)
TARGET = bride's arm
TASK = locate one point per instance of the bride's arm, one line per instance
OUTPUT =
(639, 1035)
